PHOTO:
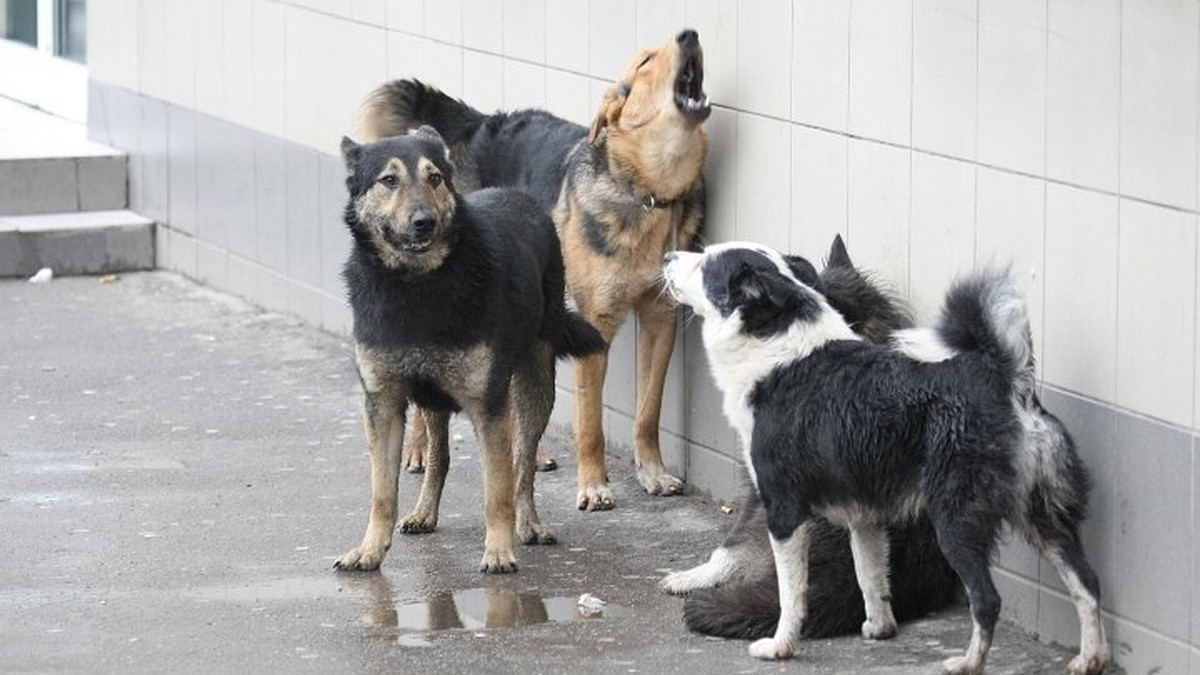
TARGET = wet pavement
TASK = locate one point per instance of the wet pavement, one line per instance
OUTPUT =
(178, 471)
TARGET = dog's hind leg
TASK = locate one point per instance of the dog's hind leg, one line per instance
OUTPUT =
(416, 442)
(967, 551)
(869, 545)
(532, 402)
(383, 420)
(655, 342)
(791, 564)
(495, 439)
(424, 516)
(1084, 588)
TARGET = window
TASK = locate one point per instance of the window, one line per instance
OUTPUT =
(43, 51)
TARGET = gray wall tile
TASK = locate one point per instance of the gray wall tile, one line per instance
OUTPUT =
(335, 238)
(705, 414)
(302, 211)
(181, 169)
(270, 204)
(715, 474)
(238, 191)
(1152, 497)
(150, 182)
(212, 264)
(242, 277)
(183, 253)
(1143, 652)
(1196, 548)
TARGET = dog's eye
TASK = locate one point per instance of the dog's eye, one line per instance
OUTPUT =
(648, 59)
(389, 181)
(435, 179)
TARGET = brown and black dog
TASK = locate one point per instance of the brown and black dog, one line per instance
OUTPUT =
(622, 193)
(458, 305)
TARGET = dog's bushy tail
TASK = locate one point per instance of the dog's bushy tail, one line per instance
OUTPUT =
(921, 582)
(578, 337)
(985, 313)
(401, 105)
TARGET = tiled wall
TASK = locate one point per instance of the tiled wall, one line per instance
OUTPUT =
(1060, 136)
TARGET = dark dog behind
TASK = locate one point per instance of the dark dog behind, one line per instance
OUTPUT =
(944, 422)
(458, 304)
(622, 193)
(736, 594)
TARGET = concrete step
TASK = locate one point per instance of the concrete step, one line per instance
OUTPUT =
(47, 165)
(88, 242)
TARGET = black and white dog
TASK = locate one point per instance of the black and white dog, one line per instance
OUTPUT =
(945, 422)
(735, 593)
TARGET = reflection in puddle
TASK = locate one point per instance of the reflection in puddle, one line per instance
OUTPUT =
(480, 608)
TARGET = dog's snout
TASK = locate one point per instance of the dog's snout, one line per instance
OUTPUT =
(422, 222)
(687, 36)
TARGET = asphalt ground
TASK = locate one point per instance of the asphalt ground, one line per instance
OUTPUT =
(179, 470)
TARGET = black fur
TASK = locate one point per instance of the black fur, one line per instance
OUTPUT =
(488, 147)
(502, 283)
(922, 581)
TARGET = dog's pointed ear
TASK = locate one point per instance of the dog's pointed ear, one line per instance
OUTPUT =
(610, 110)
(751, 283)
(351, 152)
(838, 256)
(428, 133)
(803, 270)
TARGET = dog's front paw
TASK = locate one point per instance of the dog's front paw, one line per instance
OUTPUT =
(418, 523)
(961, 665)
(768, 650)
(360, 559)
(657, 481)
(596, 497)
(1087, 665)
(878, 629)
(498, 562)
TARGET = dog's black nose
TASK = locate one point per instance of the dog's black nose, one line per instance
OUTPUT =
(687, 36)
(422, 222)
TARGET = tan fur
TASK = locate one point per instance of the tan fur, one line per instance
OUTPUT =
(652, 150)
(651, 145)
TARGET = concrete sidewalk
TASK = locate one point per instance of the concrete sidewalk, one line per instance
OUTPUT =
(178, 471)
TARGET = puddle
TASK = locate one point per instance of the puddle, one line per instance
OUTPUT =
(480, 608)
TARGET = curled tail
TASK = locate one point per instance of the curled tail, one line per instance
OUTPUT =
(578, 337)
(401, 105)
(985, 313)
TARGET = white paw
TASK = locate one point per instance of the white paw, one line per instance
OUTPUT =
(767, 650)
(1087, 665)
(878, 629)
(961, 665)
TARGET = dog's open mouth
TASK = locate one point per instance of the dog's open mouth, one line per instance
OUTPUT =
(689, 86)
